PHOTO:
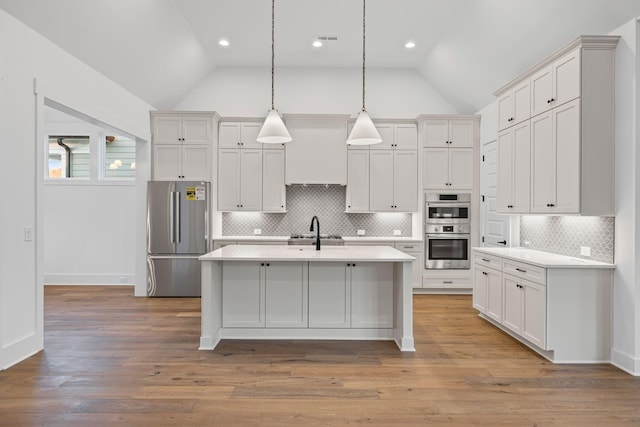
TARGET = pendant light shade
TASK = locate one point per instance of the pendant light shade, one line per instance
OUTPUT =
(273, 130)
(364, 132)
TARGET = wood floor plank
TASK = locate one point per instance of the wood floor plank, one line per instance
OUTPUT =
(112, 358)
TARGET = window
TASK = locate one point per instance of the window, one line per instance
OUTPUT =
(68, 156)
(119, 157)
(83, 150)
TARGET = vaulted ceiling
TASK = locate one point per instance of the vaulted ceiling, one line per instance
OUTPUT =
(161, 49)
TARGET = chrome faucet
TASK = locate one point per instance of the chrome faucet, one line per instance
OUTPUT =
(315, 218)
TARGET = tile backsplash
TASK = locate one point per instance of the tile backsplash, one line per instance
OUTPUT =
(328, 203)
(565, 235)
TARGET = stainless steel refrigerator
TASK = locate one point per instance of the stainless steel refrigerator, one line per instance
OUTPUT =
(177, 234)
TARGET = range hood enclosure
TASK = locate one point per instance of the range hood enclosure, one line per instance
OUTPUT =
(318, 152)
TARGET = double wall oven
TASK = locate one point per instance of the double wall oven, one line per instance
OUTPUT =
(447, 228)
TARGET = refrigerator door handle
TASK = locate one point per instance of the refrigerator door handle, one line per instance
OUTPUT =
(172, 220)
(177, 225)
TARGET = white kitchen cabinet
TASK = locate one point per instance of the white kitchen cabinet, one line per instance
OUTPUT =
(259, 294)
(393, 180)
(514, 106)
(357, 198)
(273, 188)
(243, 287)
(514, 169)
(548, 307)
(572, 128)
(487, 292)
(416, 250)
(556, 157)
(286, 294)
(181, 146)
(448, 168)
(183, 128)
(371, 294)
(181, 162)
(239, 135)
(351, 295)
(525, 309)
(329, 295)
(556, 83)
(397, 136)
(239, 179)
(449, 132)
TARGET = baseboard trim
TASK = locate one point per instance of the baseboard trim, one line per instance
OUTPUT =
(89, 279)
(626, 362)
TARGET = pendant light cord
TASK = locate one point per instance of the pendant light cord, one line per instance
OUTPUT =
(273, 49)
(364, 5)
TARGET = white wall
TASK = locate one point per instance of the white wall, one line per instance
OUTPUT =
(25, 56)
(626, 295)
(246, 92)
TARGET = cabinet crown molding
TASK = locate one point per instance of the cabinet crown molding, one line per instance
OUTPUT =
(584, 42)
(423, 117)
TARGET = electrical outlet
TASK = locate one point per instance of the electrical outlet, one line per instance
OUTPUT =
(257, 231)
(585, 251)
(360, 232)
(397, 232)
(28, 234)
(527, 243)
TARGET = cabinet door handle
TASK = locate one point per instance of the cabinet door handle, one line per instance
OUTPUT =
(521, 270)
(486, 260)
(448, 282)
(509, 206)
(502, 242)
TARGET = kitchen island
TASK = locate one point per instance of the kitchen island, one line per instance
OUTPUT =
(297, 292)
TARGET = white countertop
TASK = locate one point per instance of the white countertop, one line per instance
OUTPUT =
(345, 238)
(543, 259)
(306, 253)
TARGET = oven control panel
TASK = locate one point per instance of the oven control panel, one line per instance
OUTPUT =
(442, 228)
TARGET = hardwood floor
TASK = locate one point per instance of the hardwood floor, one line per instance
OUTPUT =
(111, 358)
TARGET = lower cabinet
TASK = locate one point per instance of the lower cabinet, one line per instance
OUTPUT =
(563, 313)
(301, 295)
(487, 292)
(525, 309)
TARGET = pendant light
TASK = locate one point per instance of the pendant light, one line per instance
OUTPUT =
(363, 132)
(273, 130)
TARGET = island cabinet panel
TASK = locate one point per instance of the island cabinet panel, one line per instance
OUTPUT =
(286, 291)
(243, 288)
(329, 296)
(371, 295)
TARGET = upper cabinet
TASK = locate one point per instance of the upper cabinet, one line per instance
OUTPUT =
(384, 177)
(182, 145)
(449, 150)
(570, 132)
(449, 132)
(239, 135)
(402, 136)
(250, 174)
(514, 106)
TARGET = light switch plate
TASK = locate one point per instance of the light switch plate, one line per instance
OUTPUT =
(360, 232)
(397, 232)
(257, 231)
(585, 250)
(28, 234)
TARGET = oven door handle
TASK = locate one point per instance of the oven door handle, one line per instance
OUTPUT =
(449, 236)
(449, 204)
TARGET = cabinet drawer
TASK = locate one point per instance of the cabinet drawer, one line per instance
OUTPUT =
(409, 247)
(488, 260)
(525, 271)
(449, 282)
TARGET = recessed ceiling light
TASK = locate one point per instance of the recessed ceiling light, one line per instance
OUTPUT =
(317, 43)
(223, 42)
(409, 45)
